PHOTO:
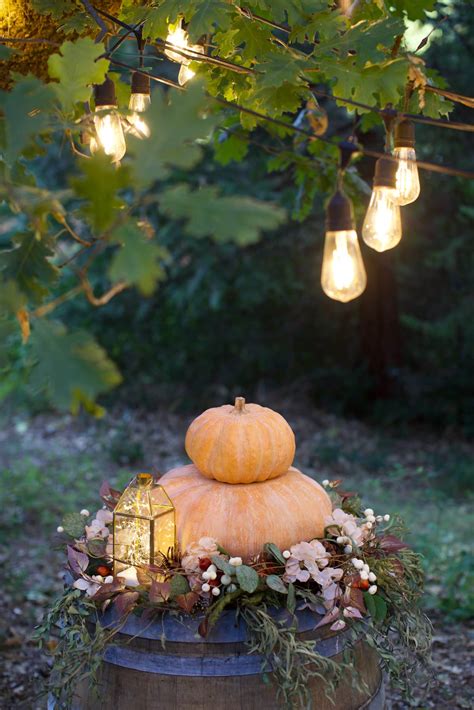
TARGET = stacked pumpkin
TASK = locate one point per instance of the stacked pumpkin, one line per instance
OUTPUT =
(241, 488)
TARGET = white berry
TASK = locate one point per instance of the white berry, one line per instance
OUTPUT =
(340, 540)
(386, 518)
(84, 512)
(358, 564)
(206, 587)
(286, 554)
(365, 567)
(216, 591)
(371, 518)
(326, 483)
(364, 574)
(226, 579)
(372, 577)
(368, 511)
(348, 549)
(109, 579)
(373, 589)
(235, 561)
(60, 529)
(369, 526)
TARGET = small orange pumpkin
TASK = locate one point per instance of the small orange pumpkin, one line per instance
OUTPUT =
(242, 443)
(243, 517)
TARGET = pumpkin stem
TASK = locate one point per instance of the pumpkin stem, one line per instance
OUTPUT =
(239, 404)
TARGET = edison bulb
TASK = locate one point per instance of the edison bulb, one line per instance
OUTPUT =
(382, 228)
(178, 37)
(408, 182)
(139, 102)
(108, 126)
(185, 74)
(343, 276)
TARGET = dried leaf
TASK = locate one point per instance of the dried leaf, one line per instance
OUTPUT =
(390, 543)
(24, 321)
(78, 561)
(187, 601)
(109, 495)
(125, 602)
(159, 592)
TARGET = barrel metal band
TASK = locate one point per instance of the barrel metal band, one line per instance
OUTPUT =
(206, 666)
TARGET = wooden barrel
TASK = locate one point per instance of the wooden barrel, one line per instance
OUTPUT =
(166, 665)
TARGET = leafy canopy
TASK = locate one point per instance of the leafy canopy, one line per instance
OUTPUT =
(103, 232)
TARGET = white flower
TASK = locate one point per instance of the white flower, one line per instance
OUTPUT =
(226, 579)
(216, 591)
(364, 574)
(341, 522)
(326, 483)
(87, 584)
(386, 518)
(368, 511)
(373, 589)
(305, 561)
(372, 577)
(60, 529)
(84, 512)
(235, 561)
(348, 549)
(206, 587)
(286, 554)
(358, 564)
(205, 547)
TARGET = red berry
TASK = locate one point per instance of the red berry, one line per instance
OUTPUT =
(103, 570)
(214, 582)
(204, 563)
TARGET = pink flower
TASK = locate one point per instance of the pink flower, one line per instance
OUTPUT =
(305, 561)
(205, 547)
(340, 522)
(98, 527)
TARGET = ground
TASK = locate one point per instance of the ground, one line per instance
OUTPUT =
(51, 464)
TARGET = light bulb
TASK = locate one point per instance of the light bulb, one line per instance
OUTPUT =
(408, 182)
(178, 37)
(108, 126)
(382, 228)
(108, 122)
(343, 276)
(139, 102)
(185, 74)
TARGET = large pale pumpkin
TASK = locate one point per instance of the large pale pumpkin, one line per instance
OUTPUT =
(240, 443)
(243, 517)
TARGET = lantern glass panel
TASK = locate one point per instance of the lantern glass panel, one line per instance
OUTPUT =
(144, 525)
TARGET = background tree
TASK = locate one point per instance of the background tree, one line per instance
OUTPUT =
(190, 205)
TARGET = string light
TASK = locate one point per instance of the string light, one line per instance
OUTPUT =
(178, 37)
(108, 122)
(382, 228)
(407, 179)
(343, 276)
(140, 100)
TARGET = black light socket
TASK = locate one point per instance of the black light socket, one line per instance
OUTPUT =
(385, 172)
(339, 213)
(140, 84)
(404, 134)
(104, 94)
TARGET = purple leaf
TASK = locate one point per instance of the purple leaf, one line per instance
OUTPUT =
(125, 602)
(390, 543)
(327, 618)
(78, 561)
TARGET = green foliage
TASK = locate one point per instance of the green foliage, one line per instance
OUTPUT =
(179, 585)
(72, 367)
(137, 261)
(76, 68)
(29, 265)
(110, 229)
(26, 115)
(234, 219)
(247, 578)
(99, 185)
(73, 524)
(178, 122)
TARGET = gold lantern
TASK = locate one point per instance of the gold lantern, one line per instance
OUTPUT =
(144, 525)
